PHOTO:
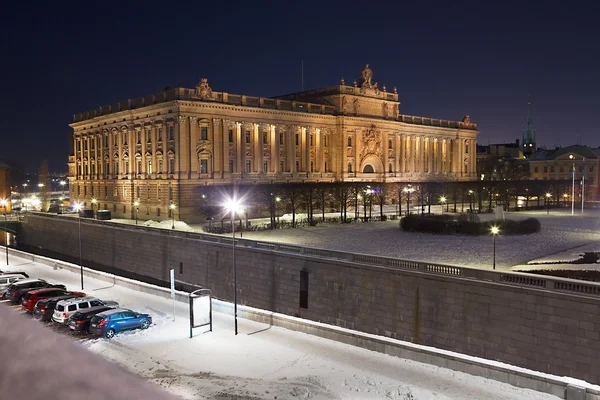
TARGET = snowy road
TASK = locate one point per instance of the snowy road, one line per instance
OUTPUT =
(263, 362)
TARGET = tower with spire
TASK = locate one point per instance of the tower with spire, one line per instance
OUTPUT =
(528, 144)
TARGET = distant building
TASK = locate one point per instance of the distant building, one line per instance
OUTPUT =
(501, 150)
(5, 186)
(558, 164)
(179, 146)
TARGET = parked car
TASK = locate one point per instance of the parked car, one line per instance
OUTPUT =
(30, 298)
(65, 308)
(44, 309)
(22, 273)
(108, 323)
(80, 321)
(17, 290)
(7, 279)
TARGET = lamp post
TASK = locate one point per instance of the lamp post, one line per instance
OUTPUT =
(442, 201)
(94, 206)
(495, 231)
(548, 195)
(408, 191)
(277, 200)
(233, 207)
(137, 210)
(172, 207)
(471, 201)
(77, 208)
(4, 204)
(571, 157)
(62, 184)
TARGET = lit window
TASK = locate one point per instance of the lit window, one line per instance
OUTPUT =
(247, 136)
(230, 166)
(349, 141)
(350, 168)
(204, 166)
(248, 166)
(204, 133)
(265, 166)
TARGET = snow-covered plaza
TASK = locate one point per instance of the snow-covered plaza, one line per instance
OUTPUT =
(262, 362)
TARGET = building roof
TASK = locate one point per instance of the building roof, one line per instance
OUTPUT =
(579, 150)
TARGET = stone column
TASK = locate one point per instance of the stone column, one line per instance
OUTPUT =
(274, 141)
(240, 148)
(474, 157)
(194, 168)
(258, 146)
(305, 150)
(217, 136)
(182, 149)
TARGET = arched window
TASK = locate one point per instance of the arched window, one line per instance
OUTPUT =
(349, 141)
(368, 169)
(390, 144)
(390, 168)
(349, 168)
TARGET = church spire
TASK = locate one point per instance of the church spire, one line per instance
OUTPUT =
(529, 133)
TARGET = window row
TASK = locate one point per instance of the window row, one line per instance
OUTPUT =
(91, 168)
(562, 168)
(95, 142)
(115, 192)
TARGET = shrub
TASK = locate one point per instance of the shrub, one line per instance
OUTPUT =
(529, 225)
(466, 225)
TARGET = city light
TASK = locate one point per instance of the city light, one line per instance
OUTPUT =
(495, 231)
(233, 206)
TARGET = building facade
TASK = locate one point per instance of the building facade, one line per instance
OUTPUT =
(166, 149)
(562, 164)
(5, 190)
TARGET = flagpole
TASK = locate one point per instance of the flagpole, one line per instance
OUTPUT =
(573, 193)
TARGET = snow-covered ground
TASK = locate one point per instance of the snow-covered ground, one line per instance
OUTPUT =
(263, 362)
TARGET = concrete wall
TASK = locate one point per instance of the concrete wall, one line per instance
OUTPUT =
(496, 316)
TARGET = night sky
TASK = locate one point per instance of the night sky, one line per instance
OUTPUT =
(477, 58)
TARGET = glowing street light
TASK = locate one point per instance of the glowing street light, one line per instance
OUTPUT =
(443, 200)
(4, 204)
(137, 210)
(77, 207)
(495, 231)
(277, 201)
(233, 207)
(408, 191)
(548, 196)
(172, 207)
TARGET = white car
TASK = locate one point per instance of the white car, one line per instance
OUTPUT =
(8, 278)
(65, 308)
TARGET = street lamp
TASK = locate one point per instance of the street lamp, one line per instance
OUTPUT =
(137, 210)
(172, 207)
(495, 231)
(62, 184)
(443, 200)
(4, 204)
(233, 207)
(571, 157)
(277, 200)
(408, 191)
(471, 201)
(77, 207)
(94, 203)
(548, 195)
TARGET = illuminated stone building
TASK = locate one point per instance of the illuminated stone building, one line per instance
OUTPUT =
(170, 147)
(5, 188)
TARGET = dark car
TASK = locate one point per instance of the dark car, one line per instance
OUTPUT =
(17, 290)
(30, 299)
(80, 321)
(108, 323)
(44, 308)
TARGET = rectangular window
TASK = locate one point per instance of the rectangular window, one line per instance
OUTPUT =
(172, 166)
(297, 166)
(158, 192)
(127, 167)
(139, 167)
(159, 134)
(311, 140)
(115, 192)
(325, 141)
(158, 212)
(280, 166)
(125, 137)
(84, 190)
(204, 166)
(148, 192)
(280, 137)
(78, 145)
(148, 136)
(466, 149)
(535, 170)
(85, 144)
(265, 138)
(137, 192)
(231, 166)
(248, 166)
(304, 289)
(160, 166)
(312, 166)
(247, 136)
(545, 169)
(105, 192)
(149, 167)
(204, 133)
(326, 167)
(552, 169)
(297, 139)
(265, 167)
(562, 169)
(231, 136)
(171, 133)
(116, 167)
(125, 192)
(92, 143)
(139, 137)
(114, 208)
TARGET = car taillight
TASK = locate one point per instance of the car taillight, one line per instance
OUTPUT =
(79, 322)
(64, 315)
(102, 323)
(43, 310)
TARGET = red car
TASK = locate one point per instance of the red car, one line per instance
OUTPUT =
(33, 296)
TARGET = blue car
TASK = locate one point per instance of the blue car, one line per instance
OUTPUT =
(108, 323)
